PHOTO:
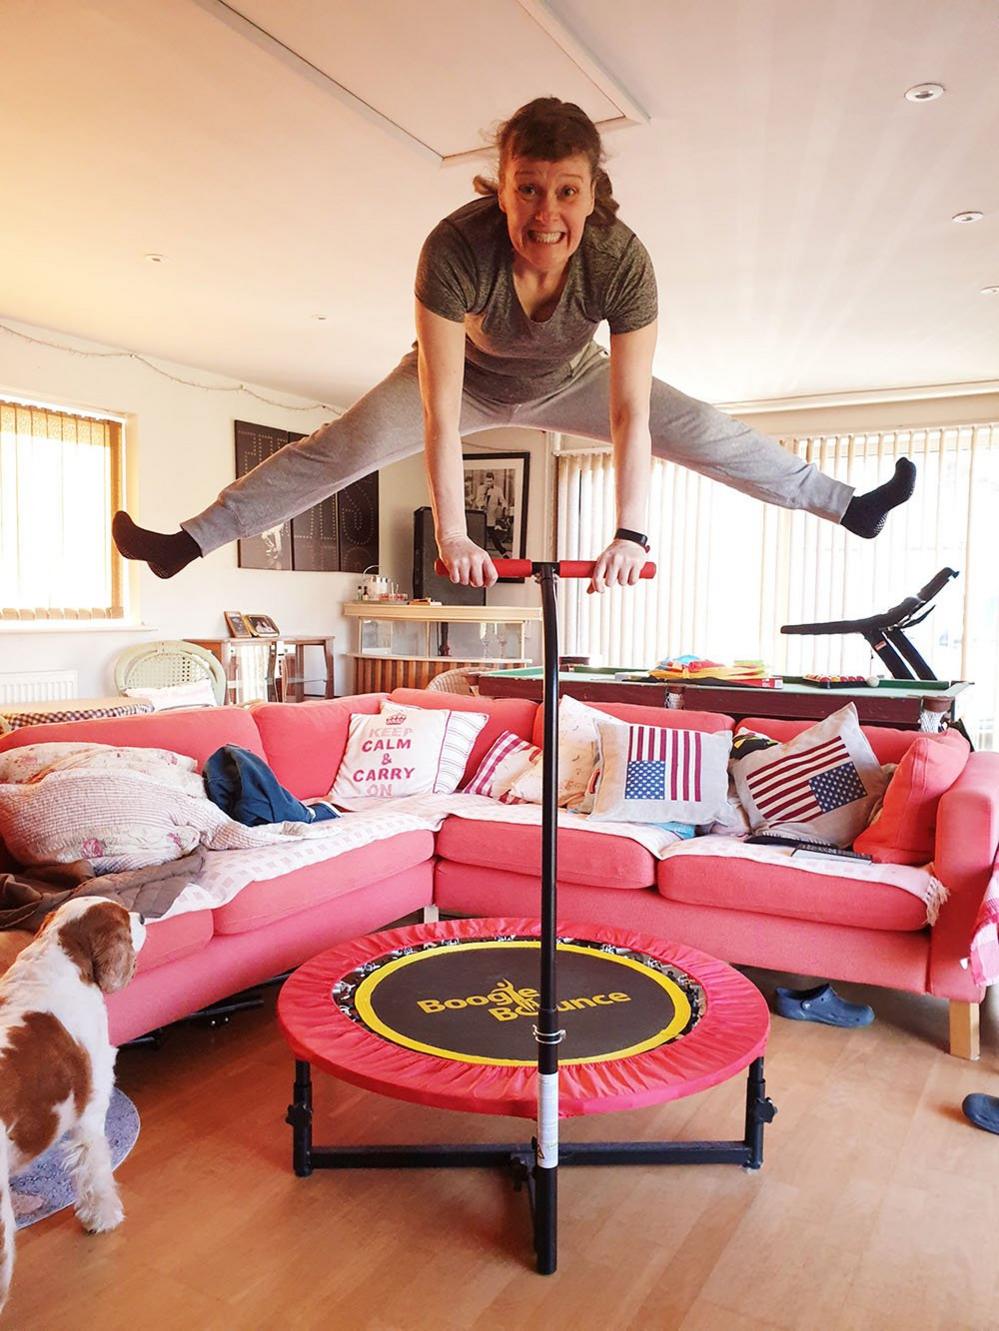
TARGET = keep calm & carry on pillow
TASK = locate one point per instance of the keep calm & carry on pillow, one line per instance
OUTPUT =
(403, 751)
(822, 785)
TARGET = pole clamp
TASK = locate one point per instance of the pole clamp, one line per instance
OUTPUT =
(543, 1037)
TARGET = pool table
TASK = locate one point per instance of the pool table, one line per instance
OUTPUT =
(894, 702)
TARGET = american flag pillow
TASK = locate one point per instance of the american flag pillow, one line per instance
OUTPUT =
(651, 774)
(509, 758)
(821, 786)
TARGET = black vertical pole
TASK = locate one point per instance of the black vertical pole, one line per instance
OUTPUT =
(300, 1118)
(546, 1031)
(756, 1114)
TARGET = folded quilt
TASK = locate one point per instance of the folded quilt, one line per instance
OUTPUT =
(983, 960)
(28, 896)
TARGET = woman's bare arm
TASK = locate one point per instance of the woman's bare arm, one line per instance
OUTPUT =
(441, 360)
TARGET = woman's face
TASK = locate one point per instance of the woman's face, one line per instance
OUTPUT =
(546, 206)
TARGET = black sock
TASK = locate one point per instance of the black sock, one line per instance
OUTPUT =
(865, 514)
(165, 554)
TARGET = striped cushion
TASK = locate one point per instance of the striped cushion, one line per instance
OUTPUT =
(509, 758)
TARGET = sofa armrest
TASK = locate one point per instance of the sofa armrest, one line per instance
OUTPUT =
(967, 840)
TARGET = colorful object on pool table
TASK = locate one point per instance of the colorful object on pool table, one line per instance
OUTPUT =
(699, 670)
(837, 681)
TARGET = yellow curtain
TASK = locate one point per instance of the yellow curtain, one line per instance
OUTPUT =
(732, 570)
(60, 483)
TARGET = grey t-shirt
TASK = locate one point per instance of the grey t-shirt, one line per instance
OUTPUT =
(465, 274)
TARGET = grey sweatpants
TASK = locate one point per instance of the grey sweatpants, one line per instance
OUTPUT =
(386, 425)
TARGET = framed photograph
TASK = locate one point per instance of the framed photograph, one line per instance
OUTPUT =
(496, 483)
(262, 626)
(236, 624)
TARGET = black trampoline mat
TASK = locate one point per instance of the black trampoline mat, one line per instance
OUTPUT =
(476, 1001)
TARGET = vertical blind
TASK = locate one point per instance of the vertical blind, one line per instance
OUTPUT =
(732, 570)
(60, 483)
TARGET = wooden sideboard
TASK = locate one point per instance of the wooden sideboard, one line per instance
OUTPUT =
(274, 669)
(406, 646)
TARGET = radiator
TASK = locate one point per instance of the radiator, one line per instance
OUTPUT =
(37, 685)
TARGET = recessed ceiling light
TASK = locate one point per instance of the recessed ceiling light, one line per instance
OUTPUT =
(156, 258)
(971, 216)
(989, 291)
(925, 92)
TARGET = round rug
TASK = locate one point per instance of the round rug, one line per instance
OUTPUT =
(46, 1187)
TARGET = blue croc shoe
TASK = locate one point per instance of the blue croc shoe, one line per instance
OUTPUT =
(822, 1004)
(982, 1110)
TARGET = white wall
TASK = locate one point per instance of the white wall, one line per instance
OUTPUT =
(180, 453)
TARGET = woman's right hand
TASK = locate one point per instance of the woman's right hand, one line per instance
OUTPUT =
(467, 563)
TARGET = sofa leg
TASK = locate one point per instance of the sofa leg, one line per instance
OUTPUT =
(964, 1030)
(431, 914)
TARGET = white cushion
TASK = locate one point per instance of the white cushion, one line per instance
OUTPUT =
(405, 751)
(821, 786)
(508, 759)
(651, 774)
(170, 698)
(577, 755)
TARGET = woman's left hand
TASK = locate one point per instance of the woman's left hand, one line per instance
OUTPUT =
(618, 566)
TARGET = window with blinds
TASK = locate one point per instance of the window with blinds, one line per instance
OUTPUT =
(60, 483)
(732, 570)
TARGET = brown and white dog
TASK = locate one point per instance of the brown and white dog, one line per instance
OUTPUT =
(56, 1060)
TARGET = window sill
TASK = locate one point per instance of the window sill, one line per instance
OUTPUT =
(11, 627)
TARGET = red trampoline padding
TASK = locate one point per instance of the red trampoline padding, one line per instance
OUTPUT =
(705, 1040)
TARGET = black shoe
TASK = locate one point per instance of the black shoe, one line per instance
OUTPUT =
(822, 1004)
(982, 1110)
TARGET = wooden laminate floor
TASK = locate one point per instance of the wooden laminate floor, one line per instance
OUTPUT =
(877, 1207)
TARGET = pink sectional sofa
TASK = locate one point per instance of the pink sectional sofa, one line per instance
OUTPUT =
(745, 912)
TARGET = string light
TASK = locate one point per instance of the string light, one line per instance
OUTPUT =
(187, 383)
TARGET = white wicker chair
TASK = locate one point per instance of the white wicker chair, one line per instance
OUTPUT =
(157, 665)
(454, 681)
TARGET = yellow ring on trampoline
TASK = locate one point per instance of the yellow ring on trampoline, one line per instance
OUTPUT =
(365, 1009)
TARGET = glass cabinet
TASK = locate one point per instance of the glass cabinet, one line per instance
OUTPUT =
(407, 645)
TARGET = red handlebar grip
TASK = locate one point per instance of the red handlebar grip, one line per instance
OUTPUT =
(583, 568)
(523, 568)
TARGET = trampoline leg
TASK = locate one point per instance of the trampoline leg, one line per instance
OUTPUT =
(300, 1117)
(546, 1219)
(759, 1112)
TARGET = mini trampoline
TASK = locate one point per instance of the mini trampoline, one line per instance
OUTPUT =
(464, 1015)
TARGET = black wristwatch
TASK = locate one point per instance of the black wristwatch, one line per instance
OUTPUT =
(623, 534)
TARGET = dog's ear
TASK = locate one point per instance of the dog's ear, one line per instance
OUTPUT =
(100, 943)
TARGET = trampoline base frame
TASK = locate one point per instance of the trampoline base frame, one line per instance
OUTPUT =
(520, 1159)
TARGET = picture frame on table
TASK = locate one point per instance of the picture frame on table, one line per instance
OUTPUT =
(235, 622)
(261, 626)
(497, 484)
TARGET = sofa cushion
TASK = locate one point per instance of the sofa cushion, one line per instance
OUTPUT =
(304, 742)
(771, 889)
(196, 733)
(405, 751)
(638, 714)
(516, 714)
(888, 744)
(260, 903)
(169, 940)
(583, 857)
(904, 831)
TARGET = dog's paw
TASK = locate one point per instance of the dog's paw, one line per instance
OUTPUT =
(102, 1214)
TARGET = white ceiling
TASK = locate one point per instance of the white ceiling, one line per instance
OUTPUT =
(796, 207)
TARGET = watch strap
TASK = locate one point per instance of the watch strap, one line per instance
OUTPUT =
(625, 534)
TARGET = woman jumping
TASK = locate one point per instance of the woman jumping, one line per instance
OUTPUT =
(510, 289)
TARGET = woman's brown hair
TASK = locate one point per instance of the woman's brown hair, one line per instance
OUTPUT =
(549, 130)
